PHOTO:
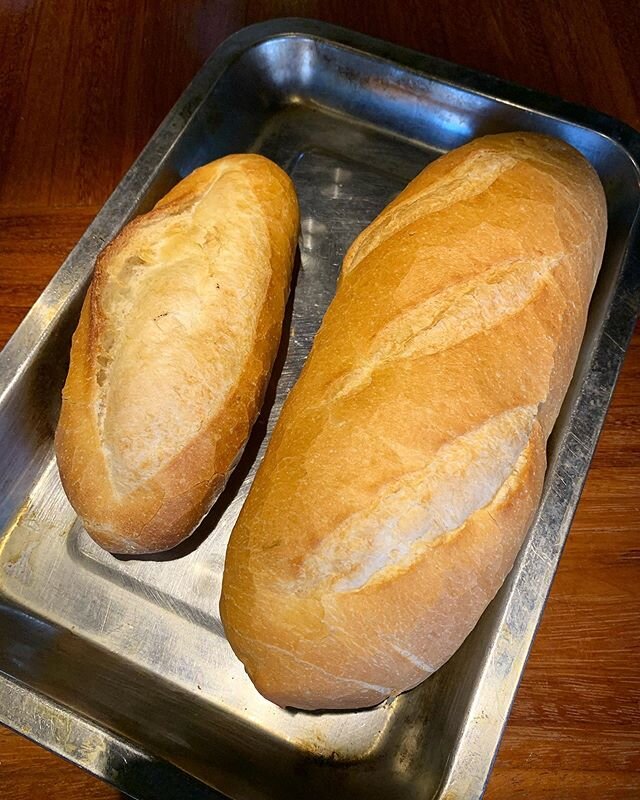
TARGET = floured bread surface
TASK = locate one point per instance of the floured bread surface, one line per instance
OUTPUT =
(408, 460)
(179, 304)
(179, 332)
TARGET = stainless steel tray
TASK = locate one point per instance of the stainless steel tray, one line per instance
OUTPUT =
(121, 665)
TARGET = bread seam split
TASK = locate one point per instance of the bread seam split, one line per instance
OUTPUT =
(352, 559)
(456, 187)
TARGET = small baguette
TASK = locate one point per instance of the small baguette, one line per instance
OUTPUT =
(408, 460)
(170, 360)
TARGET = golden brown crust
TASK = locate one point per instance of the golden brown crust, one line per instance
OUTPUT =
(158, 406)
(408, 460)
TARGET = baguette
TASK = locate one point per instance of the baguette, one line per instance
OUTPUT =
(172, 354)
(408, 460)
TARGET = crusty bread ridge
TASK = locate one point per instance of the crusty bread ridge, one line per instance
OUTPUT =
(408, 460)
(170, 360)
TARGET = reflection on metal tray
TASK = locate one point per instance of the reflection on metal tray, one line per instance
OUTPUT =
(121, 665)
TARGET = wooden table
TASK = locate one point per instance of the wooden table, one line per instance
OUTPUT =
(83, 84)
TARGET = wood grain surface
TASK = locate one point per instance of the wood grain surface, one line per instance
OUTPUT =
(83, 84)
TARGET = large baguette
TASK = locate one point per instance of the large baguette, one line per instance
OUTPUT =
(172, 354)
(409, 458)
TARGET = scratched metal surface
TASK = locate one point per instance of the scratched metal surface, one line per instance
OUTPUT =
(122, 665)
